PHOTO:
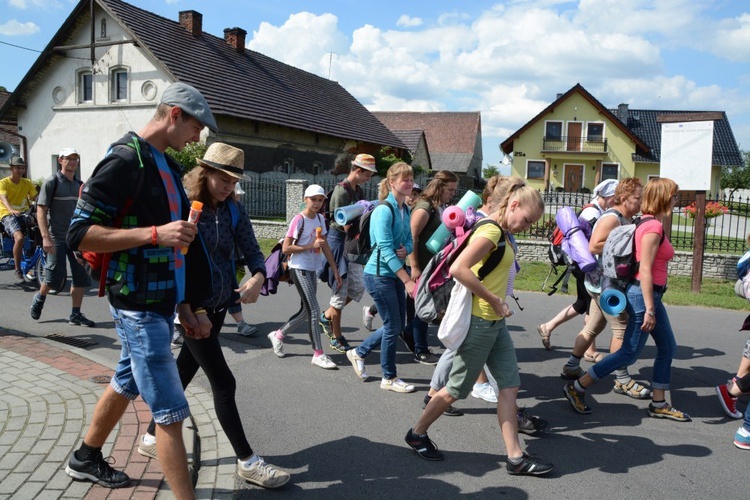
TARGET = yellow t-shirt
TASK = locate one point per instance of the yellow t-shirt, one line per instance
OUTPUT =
(18, 194)
(497, 281)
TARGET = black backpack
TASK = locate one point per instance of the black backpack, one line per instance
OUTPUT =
(357, 244)
(325, 209)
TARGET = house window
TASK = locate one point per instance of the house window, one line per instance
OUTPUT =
(535, 169)
(610, 171)
(85, 86)
(595, 132)
(103, 29)
(119, 85)
(317, 168)
(289, 166)
(553, 131)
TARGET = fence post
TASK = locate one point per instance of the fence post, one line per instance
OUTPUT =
(295, 196)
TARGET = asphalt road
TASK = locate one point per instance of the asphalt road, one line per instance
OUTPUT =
(341, 438)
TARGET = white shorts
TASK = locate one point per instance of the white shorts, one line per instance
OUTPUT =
(352, 287)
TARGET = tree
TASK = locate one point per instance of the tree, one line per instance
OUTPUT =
(189, 154)
(490, 171)
(735, 178)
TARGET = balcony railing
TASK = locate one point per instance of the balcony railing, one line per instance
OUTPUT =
(574, 144)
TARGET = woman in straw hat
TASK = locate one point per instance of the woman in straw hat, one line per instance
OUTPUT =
(213, 183)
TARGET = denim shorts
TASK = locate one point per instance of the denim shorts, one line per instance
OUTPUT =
(12, 224)
(146, 365)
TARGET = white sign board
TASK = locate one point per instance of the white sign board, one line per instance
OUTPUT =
(686, 154)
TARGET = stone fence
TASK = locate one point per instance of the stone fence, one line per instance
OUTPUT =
(714, 265)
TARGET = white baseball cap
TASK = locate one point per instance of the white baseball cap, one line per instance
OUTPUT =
(315, 190)
(67, 152)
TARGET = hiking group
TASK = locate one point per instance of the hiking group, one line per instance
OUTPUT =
(160, 260)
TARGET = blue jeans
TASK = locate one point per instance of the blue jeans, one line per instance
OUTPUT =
(146, 365)
(389, 295)
(635, 339)
(418, 329)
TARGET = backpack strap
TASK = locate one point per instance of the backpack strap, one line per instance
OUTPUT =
(393, 226)
(496, 255)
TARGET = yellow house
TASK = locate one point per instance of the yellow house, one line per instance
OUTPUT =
(576, 142)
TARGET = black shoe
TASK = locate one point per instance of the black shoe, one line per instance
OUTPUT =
(424, 446)
(408, 339)
(529, 424)
(426, 358)
(97, 471)
(451, 411)
(529, 466)
(79, 319)
(340, 344)
(36, 307)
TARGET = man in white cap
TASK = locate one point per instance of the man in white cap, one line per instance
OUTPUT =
(345, 193)
(54, 209)
(16, 195)
(135, 207)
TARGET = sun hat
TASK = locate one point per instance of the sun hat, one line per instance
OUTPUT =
(191, 101)
(67, 152)
(605, 189)
(226, 158)
(365, 161)
(315, 190)
(17, 161)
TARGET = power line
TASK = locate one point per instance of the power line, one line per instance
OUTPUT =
(19, 47)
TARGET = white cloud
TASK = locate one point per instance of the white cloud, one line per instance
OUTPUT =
(15, 28)
(408, 21)
(39, 4)
(732, 39)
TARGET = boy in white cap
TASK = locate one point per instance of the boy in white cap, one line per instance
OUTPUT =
(54, 210)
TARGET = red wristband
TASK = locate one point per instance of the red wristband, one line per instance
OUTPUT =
(154, 236)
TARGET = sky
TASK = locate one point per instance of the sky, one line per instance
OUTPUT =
(506, 59)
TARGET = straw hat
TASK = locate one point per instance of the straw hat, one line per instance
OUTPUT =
(226, 158)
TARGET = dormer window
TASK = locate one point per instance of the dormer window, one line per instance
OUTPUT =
(85, 87)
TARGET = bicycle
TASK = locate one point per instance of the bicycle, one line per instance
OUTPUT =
(33, 256)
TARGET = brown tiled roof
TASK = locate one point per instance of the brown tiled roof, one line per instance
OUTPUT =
(246, 85)
(410, 138)
(445, 132)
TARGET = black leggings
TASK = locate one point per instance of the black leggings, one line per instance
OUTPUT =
(583, 299)
(206, 354)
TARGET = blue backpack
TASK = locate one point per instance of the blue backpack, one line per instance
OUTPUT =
(743, 265)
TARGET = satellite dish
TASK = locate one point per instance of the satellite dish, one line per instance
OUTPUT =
(6, 151)
(506, 160)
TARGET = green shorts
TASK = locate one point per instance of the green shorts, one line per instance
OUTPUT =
(488, 342)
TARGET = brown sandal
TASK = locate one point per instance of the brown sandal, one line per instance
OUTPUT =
(542, 329)
(632, 389)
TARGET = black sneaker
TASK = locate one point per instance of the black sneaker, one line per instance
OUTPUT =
(408, 339)
(424, 446)
(36, 307)
(529, 424)
(451, 411)
(529, 466)
(79, 319)
(97, 471)
(426, 358)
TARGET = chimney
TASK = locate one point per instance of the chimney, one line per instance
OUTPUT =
(622, 113)
(236, 38)
(192, 21)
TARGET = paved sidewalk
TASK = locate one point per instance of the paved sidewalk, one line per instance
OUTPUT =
(47, 395)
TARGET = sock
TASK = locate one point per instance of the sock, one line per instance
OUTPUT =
(744, 432)
(86, 452)
(421, 436)
(479, 386)
(623, 376)
(279, 335)
(148, 439)
(250, 461)
(658, 404)
(318, 352)
(578, 387)
(40, 298)
(427, 399)
(515, 460)
(573, 361)
(76, 310)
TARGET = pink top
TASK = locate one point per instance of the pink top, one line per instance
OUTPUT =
(663, 255)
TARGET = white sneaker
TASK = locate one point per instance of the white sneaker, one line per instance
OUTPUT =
(278, 345)
(263, 474)
(246, 330)
(367, 318)
(358, 363)
(396, 385)
(324, 361)
(147, 450)
(484, 391)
